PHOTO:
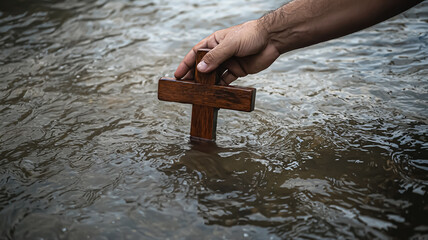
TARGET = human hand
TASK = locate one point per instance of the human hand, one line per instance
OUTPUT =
(236, 52)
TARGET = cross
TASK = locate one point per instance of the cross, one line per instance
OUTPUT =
(206, 97)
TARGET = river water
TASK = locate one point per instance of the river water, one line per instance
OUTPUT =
(337, 146)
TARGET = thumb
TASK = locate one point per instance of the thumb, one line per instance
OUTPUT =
(215, 57)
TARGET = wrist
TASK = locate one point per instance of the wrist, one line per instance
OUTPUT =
(285, 29)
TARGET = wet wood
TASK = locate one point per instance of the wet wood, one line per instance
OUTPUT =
(207, 98)
(204, 118)
(227, 97)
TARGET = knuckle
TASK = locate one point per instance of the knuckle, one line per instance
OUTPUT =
(209, 58)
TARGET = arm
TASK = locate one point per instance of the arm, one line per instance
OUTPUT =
(253, 46)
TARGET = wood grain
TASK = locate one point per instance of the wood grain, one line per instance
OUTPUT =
(204, 118)
(207, 98)
(204, 123)
(227, 97)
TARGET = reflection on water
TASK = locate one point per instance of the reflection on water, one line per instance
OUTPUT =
(336, 148)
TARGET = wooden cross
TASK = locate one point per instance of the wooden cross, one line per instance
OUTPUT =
(207, 97)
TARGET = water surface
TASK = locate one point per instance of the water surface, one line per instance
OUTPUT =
(336, 148)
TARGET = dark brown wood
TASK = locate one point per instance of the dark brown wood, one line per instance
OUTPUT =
(204, 118)
(227, 97)
(207, 98)
(204, 123)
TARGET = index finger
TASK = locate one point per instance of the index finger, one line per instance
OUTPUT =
(189, 60)
(186, 65)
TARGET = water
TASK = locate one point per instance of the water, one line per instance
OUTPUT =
(336, 148)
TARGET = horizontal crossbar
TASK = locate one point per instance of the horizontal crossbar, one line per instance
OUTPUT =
(227, 97)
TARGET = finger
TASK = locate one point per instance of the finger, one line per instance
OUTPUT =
(190, 74)
(186, 65)
(236, 66)
(240, 67)
(211, 42)
(216, 56)
(260, 61)
(235, 69)
(227, 78)
(220, 71)
(188, 61)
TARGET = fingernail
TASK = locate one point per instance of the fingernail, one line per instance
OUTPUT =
(202, 66)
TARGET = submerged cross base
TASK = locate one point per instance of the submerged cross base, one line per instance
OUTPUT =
(207, 98)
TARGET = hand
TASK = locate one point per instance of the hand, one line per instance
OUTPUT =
(236, 52)
(253, 46)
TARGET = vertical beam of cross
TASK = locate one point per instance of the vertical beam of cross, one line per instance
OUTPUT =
(204, 118)
(206, 98)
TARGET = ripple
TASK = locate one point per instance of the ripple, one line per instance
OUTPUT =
(336, 147)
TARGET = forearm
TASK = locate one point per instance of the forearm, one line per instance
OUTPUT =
(303, 23)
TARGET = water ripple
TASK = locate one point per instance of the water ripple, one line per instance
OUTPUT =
(336, 147)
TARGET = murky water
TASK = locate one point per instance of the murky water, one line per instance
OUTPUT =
(336, 148)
